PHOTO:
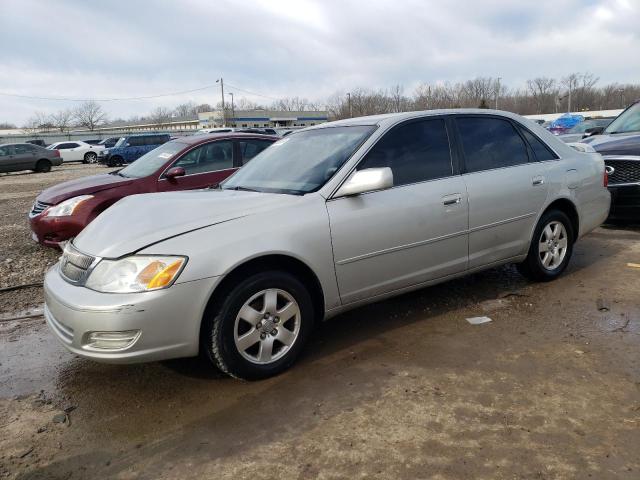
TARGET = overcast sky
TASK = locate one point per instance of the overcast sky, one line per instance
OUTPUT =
(113, 48)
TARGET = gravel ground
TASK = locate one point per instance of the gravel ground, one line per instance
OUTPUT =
(401, 389)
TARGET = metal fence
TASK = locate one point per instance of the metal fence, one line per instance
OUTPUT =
(53, 137)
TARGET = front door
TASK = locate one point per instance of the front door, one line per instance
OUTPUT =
(411, 233)
(507, 188)
(205, 166)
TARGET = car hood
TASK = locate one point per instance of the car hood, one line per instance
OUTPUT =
(618, 144)
(82, 186)
(138, 221)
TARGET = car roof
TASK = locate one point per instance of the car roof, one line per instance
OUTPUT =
(19, 143)
(203, 138)
(391, 118)
(145, 135)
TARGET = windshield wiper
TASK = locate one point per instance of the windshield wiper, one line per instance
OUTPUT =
(241, 188)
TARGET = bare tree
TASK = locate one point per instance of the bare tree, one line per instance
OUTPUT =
(543, 90)
(90, 115)
(7, 126)
(160, 115)
(187, 109)
(38, 122)
(62, 120)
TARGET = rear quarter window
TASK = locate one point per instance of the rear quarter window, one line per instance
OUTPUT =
(540, 149)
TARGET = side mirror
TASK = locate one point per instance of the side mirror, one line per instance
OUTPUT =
(174, 172)
(593, 131)
(367, 180)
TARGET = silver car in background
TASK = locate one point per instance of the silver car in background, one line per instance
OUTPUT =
(324, 220)
(15, 157)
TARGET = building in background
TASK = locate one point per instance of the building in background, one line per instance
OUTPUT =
(261, 118)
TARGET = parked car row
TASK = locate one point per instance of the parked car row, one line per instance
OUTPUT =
(319, 222)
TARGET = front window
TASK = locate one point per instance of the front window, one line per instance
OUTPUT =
(150, 162)
(627, 121)
(300, 163)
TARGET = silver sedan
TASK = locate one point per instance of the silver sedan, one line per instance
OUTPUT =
(324, 220)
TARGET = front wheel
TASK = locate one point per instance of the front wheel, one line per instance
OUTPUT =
(551, 247)
(260, 327)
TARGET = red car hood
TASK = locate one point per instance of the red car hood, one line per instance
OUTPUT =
(82, 186)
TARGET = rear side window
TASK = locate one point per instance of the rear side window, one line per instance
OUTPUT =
(21, 149)
(540, 150)
(250, 148)
(490, 143)
(136, 141)
(415, 152)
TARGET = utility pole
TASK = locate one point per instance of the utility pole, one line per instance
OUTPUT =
(497, 91)
(349, 101)
(233, 108)
(221, 81)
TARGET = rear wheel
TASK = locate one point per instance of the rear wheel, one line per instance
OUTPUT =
(550, 249)
(90, 157)
(260, 326)
(43, 166)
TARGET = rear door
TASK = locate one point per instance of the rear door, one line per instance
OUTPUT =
(507, 187)
(411, 233)
(204, 165)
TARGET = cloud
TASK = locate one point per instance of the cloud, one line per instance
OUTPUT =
(298, 47)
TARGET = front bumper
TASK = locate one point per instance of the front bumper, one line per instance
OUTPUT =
(625, 203)
(168, 320)
(51, 231)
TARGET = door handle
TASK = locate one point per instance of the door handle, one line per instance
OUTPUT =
(537, 181)
(451, 200)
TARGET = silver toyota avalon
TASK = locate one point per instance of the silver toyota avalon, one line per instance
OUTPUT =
(324, 220)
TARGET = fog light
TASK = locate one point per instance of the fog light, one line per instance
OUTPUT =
(111, 340)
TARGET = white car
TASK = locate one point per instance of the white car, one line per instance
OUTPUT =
(77, 151)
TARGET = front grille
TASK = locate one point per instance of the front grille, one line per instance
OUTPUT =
(624, 171)
(74, 265)
(38, 208)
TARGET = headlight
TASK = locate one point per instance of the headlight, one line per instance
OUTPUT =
(66, 208)
(103, 152)
(135, 274)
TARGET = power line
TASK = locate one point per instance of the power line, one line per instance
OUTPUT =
(113, 99)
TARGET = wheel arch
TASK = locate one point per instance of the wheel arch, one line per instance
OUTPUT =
(567, 207)
(281, 262)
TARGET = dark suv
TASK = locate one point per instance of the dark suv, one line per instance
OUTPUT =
(619, 144)
(131, 147)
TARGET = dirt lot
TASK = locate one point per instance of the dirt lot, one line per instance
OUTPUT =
(406, 388)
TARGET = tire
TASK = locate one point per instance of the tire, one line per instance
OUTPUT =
(551, 248)
(43, 166)
(114, 161)
(247, 335)
(90, 157)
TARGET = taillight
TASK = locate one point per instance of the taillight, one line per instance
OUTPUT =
(56, 153)
(605, 178)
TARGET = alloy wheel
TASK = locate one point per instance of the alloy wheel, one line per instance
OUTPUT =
(267, 326)
(552, 246)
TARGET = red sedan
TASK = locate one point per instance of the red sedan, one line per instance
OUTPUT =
(200, 161)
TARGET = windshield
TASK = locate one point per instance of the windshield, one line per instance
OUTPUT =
(627, 121)
(150, 162)
(300, 163)
(120, 142)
